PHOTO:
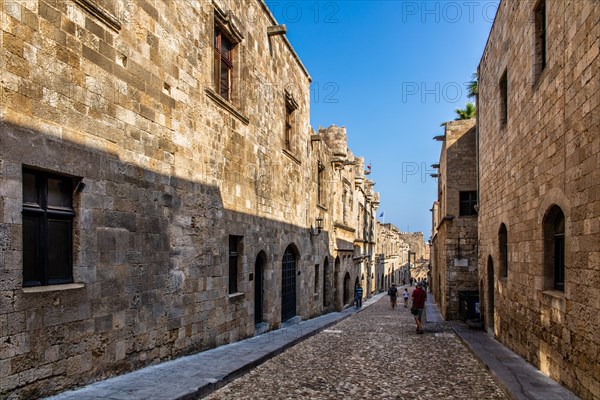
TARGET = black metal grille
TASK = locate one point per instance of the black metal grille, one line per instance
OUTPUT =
(288, 285)
(258, 290)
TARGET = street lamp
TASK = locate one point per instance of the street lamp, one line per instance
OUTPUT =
(317, 231)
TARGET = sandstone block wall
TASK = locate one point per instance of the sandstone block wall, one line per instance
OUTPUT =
(454, 268)
(122, 97)
(546, 154)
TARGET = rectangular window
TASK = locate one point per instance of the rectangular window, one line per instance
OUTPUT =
(320, 188)
(504, 99)
(540, 37)
(290, 121)
(223, 65)
(289, 126)
(234, 250)
(316, 277)
(47, 228)
(468, 200)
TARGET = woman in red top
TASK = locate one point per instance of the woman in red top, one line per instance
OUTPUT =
(418, 303)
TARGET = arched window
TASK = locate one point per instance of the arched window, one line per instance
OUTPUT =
(554, 249)
(503, 250)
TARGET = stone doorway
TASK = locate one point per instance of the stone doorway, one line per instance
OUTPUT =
(288, 284)
(490, 296)
(347, 288)
(259, 273)
(336, 279)
(325, 282)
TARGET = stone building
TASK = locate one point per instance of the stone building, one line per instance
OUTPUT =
(417, 245)
(350, 204)
(161, 190)
(391, 256)
(539, 206)
(454, 238)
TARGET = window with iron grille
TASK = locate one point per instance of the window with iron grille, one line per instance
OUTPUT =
(234, 250)
(47, 228)
(468, 200)
(558, 239)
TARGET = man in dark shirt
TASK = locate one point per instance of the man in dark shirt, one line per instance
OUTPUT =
(418, 303)
(393, 293)
(358, 295)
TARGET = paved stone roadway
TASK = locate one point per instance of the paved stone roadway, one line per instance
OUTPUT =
(374, 354)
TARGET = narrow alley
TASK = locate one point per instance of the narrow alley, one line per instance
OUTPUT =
(374, 354)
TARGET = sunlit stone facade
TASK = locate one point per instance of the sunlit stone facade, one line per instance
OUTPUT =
(539, 160)
(161, 189)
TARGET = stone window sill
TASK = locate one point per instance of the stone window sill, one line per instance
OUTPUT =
(211, 94)
(557, 294)
(53, 288)
(541, 75)
(290, 155)
(236, 295)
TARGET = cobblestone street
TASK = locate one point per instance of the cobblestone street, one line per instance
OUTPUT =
(374, 354)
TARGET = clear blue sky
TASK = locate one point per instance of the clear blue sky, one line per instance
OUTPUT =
(390, 72)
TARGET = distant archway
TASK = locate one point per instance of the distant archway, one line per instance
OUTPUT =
(336, 283)
(347, 288)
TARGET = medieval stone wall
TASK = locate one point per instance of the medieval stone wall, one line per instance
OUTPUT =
(544, 157)
(454, 268)
(121, 96)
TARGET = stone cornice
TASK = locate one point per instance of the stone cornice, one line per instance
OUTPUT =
(101, 14)
(266, 9)
(344, 227)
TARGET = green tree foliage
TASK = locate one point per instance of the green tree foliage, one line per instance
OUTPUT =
(466, 113)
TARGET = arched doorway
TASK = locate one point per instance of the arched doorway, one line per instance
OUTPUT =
(490, 293)
(259, 274)
(288, 284)
(336, 280)
(347, 288)
(325, 282)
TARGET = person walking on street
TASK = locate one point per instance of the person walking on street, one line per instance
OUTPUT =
(418, 304)
(405, 295)
(358, 295)
(393, 293)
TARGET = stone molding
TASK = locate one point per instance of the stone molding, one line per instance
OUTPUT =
(101, 14)
(226, 105)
